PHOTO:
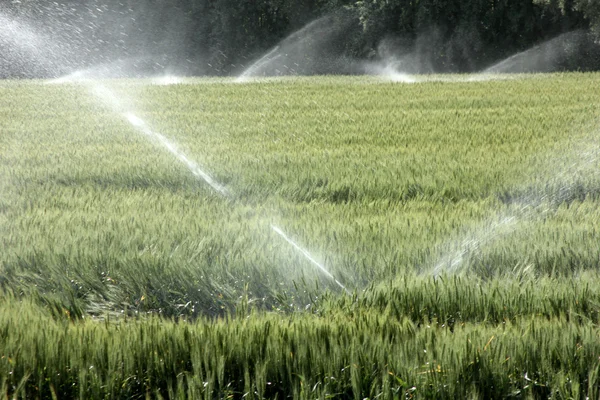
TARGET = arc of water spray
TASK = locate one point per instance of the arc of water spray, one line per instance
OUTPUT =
(118, 105)
(112, 99)
(544, 57)
(480, 238)
(529, 205)
(109, 97)
(167, 144)
(308, 256)
(257, 65)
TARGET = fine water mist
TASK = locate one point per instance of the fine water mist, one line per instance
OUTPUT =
(412, 61)
(401, 60)
(315, 49)
(562, 185)
(133, 67)
(21, 47)
(552, 55)
(308, 256)
(167, 80)
(50, 40)
(121, 105)
(415, 60)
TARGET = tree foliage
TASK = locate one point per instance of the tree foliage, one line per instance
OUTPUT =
(221, 37)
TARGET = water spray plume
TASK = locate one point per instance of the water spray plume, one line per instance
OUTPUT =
(134, 120)
(258, 65)
(584, 159)
(474, 241)
(118, 104)
(168, 80)
(314, 49)
(545, 57)
(122, 106)
(23, 46)
(389, 72)
(308, 256)
(141, 126)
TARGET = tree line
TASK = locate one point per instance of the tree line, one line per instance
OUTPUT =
(222, 37)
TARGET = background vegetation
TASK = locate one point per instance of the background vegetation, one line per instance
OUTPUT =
(222, 37)
(461, 215)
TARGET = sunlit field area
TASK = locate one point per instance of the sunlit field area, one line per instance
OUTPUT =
(322, 237)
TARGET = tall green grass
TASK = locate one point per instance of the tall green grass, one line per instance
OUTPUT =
(349, 353)
(129, 277)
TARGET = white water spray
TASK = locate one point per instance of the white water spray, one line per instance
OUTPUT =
(257, 66)
(110, 98)
(139, 124)
(168, 80)
(308, 256)
(486, 235)
(314, 49)
(583, 160)
(390, 72)
(121, 106)
(22, 44)
(172, 148)
(545, 57)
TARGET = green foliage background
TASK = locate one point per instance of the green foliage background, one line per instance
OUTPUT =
(222, 37)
